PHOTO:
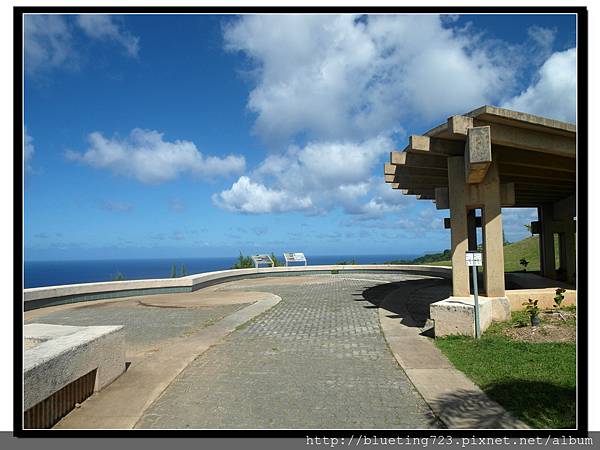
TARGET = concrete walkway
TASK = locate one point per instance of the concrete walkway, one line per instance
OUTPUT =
(123, 402)
(455, 399)
(293, 352)
(316, 360)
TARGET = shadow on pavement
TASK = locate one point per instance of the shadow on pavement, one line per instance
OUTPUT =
(408, 300)
(541, 405)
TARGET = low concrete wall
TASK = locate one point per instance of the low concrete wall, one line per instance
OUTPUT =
(60, 354)
(57, 295)
(545, 297)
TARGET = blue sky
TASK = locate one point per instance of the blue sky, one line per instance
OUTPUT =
(166, 136)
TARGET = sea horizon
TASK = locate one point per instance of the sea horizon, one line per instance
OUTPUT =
(41, 273)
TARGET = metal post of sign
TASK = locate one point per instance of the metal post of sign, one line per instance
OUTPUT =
(473, 259)
(477, 326)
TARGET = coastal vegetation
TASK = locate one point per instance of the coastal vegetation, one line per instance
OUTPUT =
(243, 262)
(118, 277)
(182, 273)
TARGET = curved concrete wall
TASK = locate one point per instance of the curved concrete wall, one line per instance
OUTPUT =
(56, 295)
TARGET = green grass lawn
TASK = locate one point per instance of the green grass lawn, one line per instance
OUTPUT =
(535, 381)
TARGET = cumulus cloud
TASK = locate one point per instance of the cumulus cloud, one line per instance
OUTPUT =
(351, 77)
(315, 179)
(105, 27)
(246, 196)
(147, 157)
(345, 87)
(28, 150)
(50, 43)
(554, 93)
(47, 42)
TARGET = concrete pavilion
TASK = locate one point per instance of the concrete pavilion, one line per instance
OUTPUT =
(485, 160)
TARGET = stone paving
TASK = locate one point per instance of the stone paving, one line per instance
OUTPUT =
(318, 359)
(146, 327)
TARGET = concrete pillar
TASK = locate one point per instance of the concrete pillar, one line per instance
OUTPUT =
(458, 196)
(547, 257)
(493, 244)
(570, 246)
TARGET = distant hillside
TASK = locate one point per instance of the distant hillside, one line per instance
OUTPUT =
(527, 248)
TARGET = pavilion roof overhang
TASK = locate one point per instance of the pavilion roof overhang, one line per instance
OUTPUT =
(536, 157)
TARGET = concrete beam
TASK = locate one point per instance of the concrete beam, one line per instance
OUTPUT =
(389, 169)
(459, 125)
(533, 160)
(478, 154)
(421, 160)
(416, 181)
(404, 170)
(441, 147)
(507, 169)
(565, 208)
(425, 196)
(442, 201)
(507, 196)
(448, 222)
(530, 139)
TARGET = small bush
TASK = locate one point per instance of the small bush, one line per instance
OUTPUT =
(243, 262)
(559, 297)
(524, 263)
(118, 277)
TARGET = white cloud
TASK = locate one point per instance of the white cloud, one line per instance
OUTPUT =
(247, 196)
(554, 93)
(105, 27)
(544, 37)
(144, 155)
(344, 77)
(317, 178)
(49, 39)
(47, 42)
(28, 150)
(346, 85)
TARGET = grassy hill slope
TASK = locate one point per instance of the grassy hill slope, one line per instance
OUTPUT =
(527, 248)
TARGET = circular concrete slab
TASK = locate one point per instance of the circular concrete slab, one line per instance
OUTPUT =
(202, 299)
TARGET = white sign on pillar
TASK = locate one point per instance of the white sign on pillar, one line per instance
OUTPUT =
(473, 258)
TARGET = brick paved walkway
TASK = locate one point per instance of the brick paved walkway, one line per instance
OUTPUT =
(146, 327)
(316, 360)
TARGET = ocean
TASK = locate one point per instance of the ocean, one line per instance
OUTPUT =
(53, 273)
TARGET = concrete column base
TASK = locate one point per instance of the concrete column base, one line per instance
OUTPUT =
(500, 308)
(455, 315)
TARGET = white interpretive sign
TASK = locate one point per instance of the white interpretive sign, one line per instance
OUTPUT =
(262, 259)
(473, 258)
(294, 258)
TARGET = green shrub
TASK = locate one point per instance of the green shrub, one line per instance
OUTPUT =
(243, 262)
(118, 277)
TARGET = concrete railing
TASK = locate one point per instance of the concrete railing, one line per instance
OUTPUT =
(55, 295)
